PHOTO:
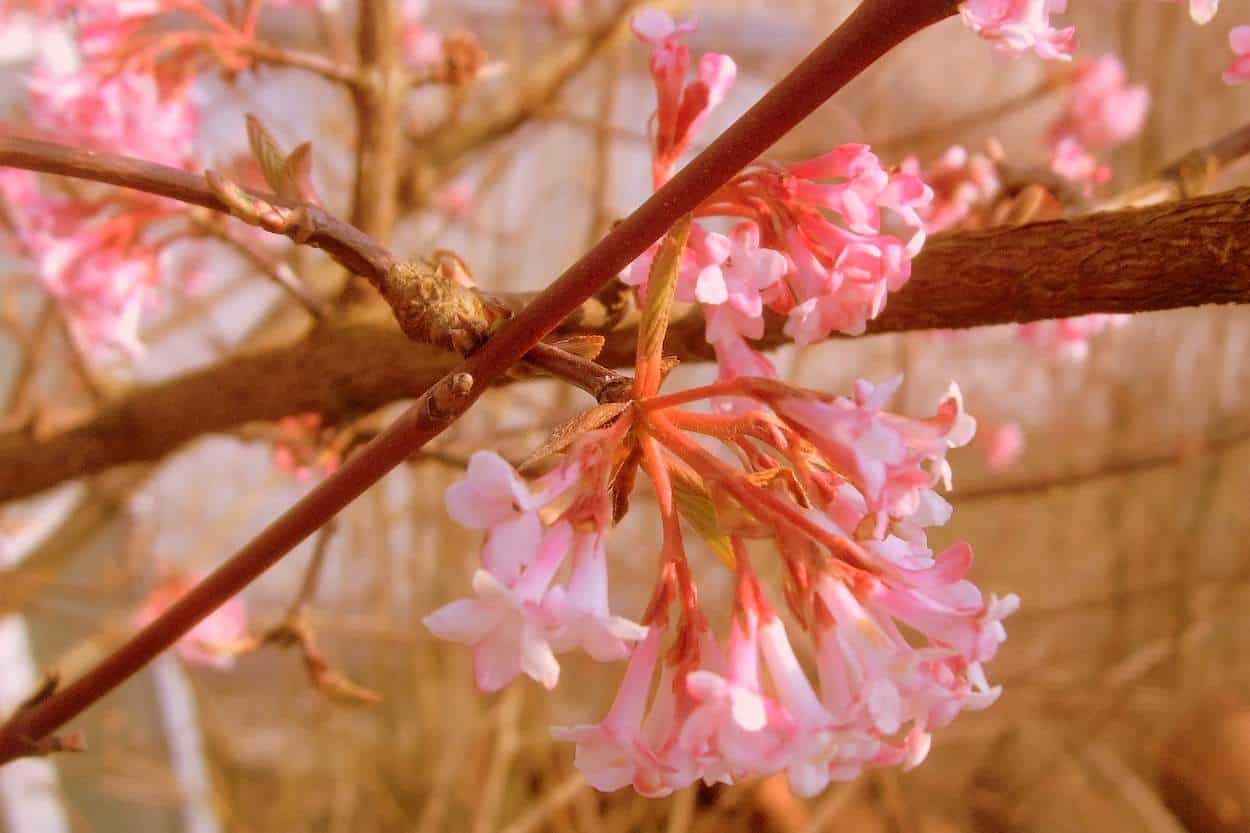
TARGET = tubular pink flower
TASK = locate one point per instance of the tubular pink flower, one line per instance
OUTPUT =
(505, 625)
(611, 753)
(681, 108)
(577, 615)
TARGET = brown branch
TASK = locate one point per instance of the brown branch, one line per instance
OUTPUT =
(1177, 255)
(378, 99)
(343, 242)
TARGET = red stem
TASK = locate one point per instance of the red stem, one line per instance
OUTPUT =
(874, 28)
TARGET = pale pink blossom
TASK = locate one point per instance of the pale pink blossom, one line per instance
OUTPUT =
(960, 181)
(1069, 338)
(1021, 26)
(577, 614)
(125, 113)
(212, 642)
(505, 625)
(891, 460)
(1004, 445)
(1071, 160)
(1102, 109)
(519, 621)
(493, 497)
(611, 754)
(1238, 71)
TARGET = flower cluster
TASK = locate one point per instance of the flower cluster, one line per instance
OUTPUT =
(519, 620)
(1102, 111)
(817, 241)
(95, 256)
(842, 491)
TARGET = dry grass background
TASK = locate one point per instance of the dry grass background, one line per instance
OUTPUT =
(1125, 527)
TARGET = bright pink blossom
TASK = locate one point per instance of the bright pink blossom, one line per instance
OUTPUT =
(1021, 26)
(681, 107)
(1238, 71)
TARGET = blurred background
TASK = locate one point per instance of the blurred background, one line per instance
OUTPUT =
(1123, 522)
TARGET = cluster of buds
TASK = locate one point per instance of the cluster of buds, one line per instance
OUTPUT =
(838, 492)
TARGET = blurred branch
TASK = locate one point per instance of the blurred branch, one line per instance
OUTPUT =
(379, 100)
(436, 154)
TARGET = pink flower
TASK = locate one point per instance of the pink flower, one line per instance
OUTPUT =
(891, 460)
(504, 625)
(1005, 445)
(960, 181)
(1021, 25)
(1102, 109)
(735, 730)
(493, 497)
(92, 261)
(577, 615)
(125, 113)
(1069, 338)
(1071, 160)
(730, 289)
(519, 621)
(681, 107)
(102, 25)
(611, 754)
(1238, 71)
(211, 642)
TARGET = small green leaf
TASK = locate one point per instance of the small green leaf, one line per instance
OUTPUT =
(269, 156)
(695, 505)
(661, 287)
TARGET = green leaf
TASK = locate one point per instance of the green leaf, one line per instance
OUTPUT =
(270, 157)
(661, 286)
(695, 505)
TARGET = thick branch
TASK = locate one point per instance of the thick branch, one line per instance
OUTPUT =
(1176, 255)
